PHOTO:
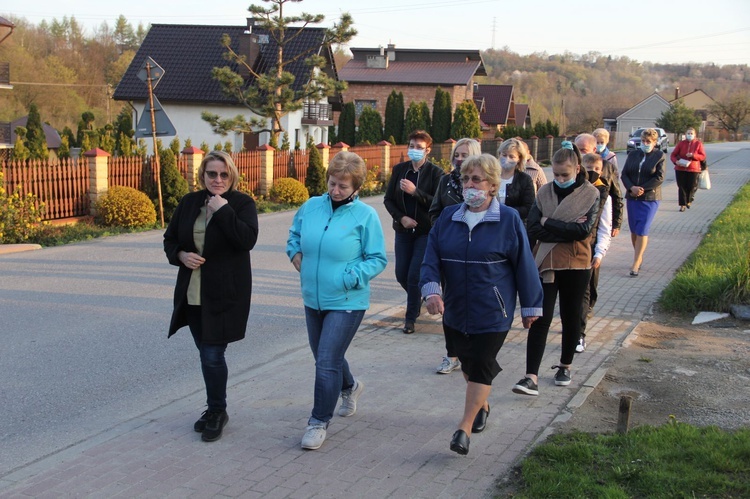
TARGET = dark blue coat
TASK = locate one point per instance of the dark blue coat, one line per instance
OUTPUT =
(484, 269)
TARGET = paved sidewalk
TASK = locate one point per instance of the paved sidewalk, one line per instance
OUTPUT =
(397, 443)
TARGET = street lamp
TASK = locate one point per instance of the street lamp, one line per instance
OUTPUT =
(6, 28)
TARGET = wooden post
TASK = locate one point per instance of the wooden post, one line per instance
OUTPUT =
(98, 176)
(623, 416)
(266, 168)
(194, 158)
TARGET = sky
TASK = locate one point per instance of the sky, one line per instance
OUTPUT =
(662, 32)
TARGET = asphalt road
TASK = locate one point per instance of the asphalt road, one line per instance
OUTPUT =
(84, 332)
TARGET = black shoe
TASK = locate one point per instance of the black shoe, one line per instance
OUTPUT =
(526, 387)
(460, 442)
(215, 423)
(480, 421)
(409, 328)
(200, 425)
(562, 377)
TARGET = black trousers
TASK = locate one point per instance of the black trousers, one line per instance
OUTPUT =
(687, 184)
(589, 299)
(571, 286)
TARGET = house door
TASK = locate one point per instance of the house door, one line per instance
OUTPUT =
(251, 141)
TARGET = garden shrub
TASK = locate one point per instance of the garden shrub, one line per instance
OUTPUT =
(19, 215)
(289, 191)
(125, 207)
(315, 180)
(173, 184)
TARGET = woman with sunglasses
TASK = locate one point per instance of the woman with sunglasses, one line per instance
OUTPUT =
(209, 238)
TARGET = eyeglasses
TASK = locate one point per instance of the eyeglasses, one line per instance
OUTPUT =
(212, 175)
(475, 180)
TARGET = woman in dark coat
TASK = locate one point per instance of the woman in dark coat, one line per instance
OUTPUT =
(516, 186)
(408, 198)
(209, 238)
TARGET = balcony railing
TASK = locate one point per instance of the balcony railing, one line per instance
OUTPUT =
(5, 73)
(317, 114)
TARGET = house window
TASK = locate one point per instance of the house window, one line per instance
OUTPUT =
(359, 105)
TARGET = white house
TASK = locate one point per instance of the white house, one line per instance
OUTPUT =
(188, 54)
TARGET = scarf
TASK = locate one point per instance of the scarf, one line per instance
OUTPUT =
(571, 208)
(455, 181)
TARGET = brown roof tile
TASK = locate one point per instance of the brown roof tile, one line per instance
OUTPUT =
(497, 99)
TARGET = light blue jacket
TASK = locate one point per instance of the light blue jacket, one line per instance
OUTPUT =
(341, 250)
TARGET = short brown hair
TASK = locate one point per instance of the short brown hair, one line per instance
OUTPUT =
(234, 174)
(348, 164)
(650, 133)
(591, 160)
(420, 135)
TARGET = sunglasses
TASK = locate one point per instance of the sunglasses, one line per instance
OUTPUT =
(476, 180)
(212, 175)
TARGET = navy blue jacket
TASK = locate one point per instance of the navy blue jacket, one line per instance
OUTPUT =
(484, 269)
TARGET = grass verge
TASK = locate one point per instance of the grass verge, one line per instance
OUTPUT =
(717, 274)
(673, 460)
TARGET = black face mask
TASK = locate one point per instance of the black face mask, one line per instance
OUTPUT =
(593, 176)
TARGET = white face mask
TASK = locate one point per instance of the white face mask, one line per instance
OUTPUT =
(507, 164)
(474, 198)
(690, 136)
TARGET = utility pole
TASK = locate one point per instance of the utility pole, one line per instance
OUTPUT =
(157, 168)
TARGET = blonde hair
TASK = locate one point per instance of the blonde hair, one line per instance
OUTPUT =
(601, 133)
(517, 146)
(234, 174)
(472, 144)
(348, 164)
(489, 165)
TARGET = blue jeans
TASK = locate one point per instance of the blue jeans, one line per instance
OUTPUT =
(330, 333)
(213, 363)
(409, 249)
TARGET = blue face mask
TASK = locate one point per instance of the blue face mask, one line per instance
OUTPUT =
(416, 155)
(600, 148)
(647, 148)
(565, 185)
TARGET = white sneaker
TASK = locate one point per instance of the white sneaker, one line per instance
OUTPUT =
(581, 346)
(349, 399)
(448, 365)
(314, 436)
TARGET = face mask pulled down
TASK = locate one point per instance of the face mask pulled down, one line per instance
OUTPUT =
(474, 198)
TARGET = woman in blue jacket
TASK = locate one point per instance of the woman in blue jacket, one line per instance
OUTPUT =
(481, 248)
(336, 243)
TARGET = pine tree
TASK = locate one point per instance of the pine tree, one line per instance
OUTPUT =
(441, 116)
(35, 140)
(228, 147)
(20, 151)
(285, 145)
(63, 152)
(175, 146)
(124, 145)
(85, 125)
(417, 118)
(370, 127)
(466, 122)
(173, 185)
(272, 95)
(124, 125)
(204, 147)
(315, 181)
(347, 130)
(394, 116)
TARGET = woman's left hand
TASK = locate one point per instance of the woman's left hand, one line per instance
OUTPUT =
(214, 203)
(407, 186)
(297, 261)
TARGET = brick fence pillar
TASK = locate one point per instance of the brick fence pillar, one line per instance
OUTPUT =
(98, 176)
(266, 168)
(194, 158)
(325, 155)
(385, 160)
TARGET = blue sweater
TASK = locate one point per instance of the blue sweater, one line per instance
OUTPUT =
(484, 269)
(341, 250)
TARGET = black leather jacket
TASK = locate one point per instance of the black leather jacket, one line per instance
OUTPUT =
(649, 175)
(427, 183)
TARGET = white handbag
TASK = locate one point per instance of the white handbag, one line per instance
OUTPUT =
(704, 181)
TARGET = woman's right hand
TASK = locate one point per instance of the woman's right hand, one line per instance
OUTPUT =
(636, 190)
(408, 222)
(297, 261)
(435, 305)
(191, 260)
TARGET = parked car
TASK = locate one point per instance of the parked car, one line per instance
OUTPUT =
(634, 141)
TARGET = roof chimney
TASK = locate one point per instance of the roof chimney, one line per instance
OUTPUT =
(391, 52)
(250, 24)
(676, 93)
